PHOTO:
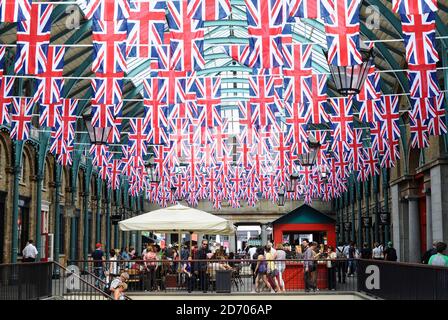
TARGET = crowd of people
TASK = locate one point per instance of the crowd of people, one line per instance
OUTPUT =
(196, 267)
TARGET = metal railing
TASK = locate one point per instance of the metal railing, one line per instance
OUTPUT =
(25, 281)
(224, 275)
(46, 280)
(395, 280)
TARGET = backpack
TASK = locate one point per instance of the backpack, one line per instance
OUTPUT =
(391, 254)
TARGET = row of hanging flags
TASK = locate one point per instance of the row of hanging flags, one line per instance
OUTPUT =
(182, 112)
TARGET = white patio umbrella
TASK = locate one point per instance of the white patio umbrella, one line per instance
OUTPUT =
(179, 219)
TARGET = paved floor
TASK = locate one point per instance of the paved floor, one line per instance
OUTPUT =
(263, 297)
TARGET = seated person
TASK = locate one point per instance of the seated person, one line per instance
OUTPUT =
(119, 291)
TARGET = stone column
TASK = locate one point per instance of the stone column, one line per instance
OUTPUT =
(414, 230)
(439, 203)
(264, 235)
(429, 238)
(395, 219)
(232, 244)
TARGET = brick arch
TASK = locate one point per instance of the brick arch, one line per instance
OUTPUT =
(5, 160)
(28, 170)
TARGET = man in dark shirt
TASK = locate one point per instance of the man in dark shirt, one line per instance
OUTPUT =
(366, 252)
(200, 268)
(428, 254)
(98, 263)
(390, 254)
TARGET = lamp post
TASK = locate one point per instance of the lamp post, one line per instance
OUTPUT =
(308, 159)
(281, 198)
(151, 170)
(292, 183)
(98, 136)
(350, 79)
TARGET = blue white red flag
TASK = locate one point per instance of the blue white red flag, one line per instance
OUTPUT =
(213, 10)
(390, 119)
(105, 10)
(33, 39)
(342, 29)
(107, 89)
(414, 7)
(21, 114)
(6, 90)
(318, 114)
(146, 26)
(419, 34)
(15, 10)
(310, 9)
(437, 121)
(49, 84)
(423, 81)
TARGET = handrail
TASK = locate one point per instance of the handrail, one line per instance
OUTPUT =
(95, 277)
(83, 281)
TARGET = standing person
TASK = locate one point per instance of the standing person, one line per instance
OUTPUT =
(125, 257)
(187, 269)
(342, 263)
(272, 270)
(366, 252)
(390, 254)
(440, 258)
(98, 263)
(281, 266)
(309, 266)
(377, 252)
(200, 266)
(113, 269)
(261, 270)
(253, 266)
(150, 259)
(351, 259)
(428, 254)
(29, 252)
(331, 268)
(251, 251)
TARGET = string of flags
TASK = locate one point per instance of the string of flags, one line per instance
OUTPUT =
(198, 152)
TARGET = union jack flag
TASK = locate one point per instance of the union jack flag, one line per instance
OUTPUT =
(99, 153)
(6, 87)
(356, 155)
(49, 84)
(371, 161)
(66, 119)
(391, 154)
(138, 137)
(186, 35)
(21, 115)
(318, 115)
(65, 158)
(390, 127)
(423, 81)
(107, 89)
(265, 24)
(262, 99)
(115, 131)
(377, 140)
(414, 7)
(105, 10)
(370, 110)
(239, 53)
(2, 59)
(48, 114)
(213, 10)
(296, 89)
(109, 46)
(208, 92)
(437, 123)
(103, 115)
(419, 34)
(342, 120)
(15, 10)
(33, 38)
(342, 29)
(311, 9)
(421, 107)
(297, 115)
(371, 89)
(146, 26)
(419, 132)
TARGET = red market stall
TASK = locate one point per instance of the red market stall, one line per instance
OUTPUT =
(302, 223)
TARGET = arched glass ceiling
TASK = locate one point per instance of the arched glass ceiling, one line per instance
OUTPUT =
(234, 30)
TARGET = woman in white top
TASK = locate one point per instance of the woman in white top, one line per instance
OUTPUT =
(331, 268)
(281, 266)
(113, 269)
(377, 252)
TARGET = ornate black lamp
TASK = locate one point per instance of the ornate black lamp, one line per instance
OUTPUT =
(350, 79)
(97, 136)
(366, 222)
(347, 226)
(151, 170)
(292, 183)
(308, 159)
(384, 218)
(323, 172)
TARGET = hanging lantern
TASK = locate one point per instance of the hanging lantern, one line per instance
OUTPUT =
(97, 136)
(151, 170)
(308, 159)
(323, 173)
(292, 183)
(350, 79)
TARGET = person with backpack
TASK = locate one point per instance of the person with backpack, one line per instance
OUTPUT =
(150, 260)
(390, 254)
(341, 263)
(261, 270)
